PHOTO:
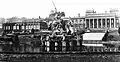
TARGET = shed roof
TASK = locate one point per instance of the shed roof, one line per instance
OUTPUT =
(93, 36)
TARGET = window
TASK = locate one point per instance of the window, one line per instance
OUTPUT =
(17, 27)
(4, 27)
(76, 21)
(112, 22)
(27, 27)
(32, 26)
(81, 21)
(117, 23)
(8, 27)
(23, 27)
(14, 27)
(38, 26)
(35, 26)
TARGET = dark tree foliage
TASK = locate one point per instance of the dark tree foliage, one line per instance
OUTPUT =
(63, 22)
(110, 38)
(109, 45)
(119, 30)
(105, 36)
(62, 13)
(50, 27)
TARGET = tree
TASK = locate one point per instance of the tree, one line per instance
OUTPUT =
(39, 17)
(13, 19)
(63, 14)
(105, 36)
(23, 19)
(2, 20)
(111, 38)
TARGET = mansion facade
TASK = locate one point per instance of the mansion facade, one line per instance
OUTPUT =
(98, 21)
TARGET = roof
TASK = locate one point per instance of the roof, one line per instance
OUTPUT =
(93, 45)
(93, 36)
(100, 14)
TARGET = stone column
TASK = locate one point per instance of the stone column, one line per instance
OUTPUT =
(28, 26)
(114, 22)
(85, 23)
(33, 25)
(16, 27)
(97, 23)
(110, 22)
(101, 23)
(89, 23)
(4, 27)
(106, 23)
(11, 28)
(93, 23)
(20, 27)
(25, 26)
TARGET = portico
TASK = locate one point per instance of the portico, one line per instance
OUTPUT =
(100, 22)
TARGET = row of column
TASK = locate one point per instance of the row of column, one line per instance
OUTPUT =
(100, 23)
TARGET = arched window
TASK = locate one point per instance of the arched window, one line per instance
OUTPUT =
(14, 27)
(17, 27)
(23, 27)
(29, 26)
(117, 23)
(112, 22)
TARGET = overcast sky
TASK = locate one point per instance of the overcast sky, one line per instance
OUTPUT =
(35, 8)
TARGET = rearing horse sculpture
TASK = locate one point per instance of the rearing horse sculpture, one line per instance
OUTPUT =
(62, 25)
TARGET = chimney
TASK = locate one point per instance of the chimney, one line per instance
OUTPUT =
(105, 11)
(78, 14)
(39, 17)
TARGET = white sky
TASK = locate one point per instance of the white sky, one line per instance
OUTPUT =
(35, 8)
